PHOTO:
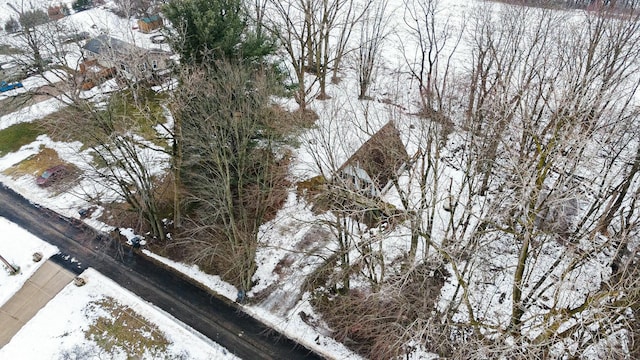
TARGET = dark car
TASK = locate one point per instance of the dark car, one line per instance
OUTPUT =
(51, 175)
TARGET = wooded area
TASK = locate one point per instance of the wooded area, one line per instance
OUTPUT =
(507, 224)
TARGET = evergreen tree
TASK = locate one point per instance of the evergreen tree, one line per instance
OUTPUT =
(80, 5)
(31, 18)
(204, 29)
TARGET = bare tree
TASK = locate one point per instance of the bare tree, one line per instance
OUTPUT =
(257, 10)
(32, 19)
(289, 22)
(349, 18)
(373, 33)
(124, 161)
(429, 53)
(306, 30)
(323, 22)
(232, 168)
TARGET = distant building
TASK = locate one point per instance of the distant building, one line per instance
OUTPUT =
(149, 24)
(56, 12)
(128, 60)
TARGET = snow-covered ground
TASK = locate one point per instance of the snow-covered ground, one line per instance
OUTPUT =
(347, 123)
(60, 327)
(17, 246)
(7, 7)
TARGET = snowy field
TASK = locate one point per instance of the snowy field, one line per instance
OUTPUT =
(285, 308)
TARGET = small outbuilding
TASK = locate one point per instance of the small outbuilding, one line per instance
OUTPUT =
(150, 23)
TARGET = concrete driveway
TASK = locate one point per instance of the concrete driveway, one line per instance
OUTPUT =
(41, 287)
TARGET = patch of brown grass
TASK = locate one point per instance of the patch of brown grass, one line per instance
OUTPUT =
(125, 330)
(121, 215)
(56, 132)
(287, 122)
(377, 324)
(35, 164)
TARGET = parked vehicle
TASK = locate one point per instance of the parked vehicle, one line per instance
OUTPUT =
(51, 175)
(5, 86)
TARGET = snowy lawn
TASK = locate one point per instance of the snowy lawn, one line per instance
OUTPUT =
(89, 322)
(17, 246)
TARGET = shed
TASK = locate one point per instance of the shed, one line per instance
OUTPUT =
(149, 24)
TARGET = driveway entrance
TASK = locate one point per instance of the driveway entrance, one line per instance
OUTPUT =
(41, 287)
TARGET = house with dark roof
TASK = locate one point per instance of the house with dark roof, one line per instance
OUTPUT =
(103, 46)
(371, 169)
(128, 60)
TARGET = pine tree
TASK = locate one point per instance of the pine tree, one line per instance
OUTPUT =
(216, 29)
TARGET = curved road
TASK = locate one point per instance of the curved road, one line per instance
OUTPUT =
(218, 319)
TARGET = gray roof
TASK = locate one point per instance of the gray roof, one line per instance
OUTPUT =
(104, 43)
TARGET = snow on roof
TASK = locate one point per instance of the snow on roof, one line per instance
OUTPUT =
(357, 172)
(99, 21)
(103, 42)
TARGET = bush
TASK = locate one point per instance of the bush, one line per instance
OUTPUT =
(379, 324)
(12, 26)
(32, 18)
(81, 5)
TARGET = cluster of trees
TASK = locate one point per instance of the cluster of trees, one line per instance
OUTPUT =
(522, 192)
(233, 166)
(581, 4)
(28, 19)
(617, 4)
(229, 157)
(224, 131)
(516, 228)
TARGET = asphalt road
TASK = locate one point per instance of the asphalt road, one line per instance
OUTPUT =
(216, 318)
